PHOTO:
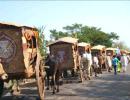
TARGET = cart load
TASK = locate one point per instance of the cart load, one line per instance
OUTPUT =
(17, 48)
(66, 50)
(20, 54)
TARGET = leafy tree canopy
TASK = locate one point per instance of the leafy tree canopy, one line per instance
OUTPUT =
(41, 41)
(121, 45)
(85, 33)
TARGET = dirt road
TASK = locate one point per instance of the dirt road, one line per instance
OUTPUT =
(105, 87)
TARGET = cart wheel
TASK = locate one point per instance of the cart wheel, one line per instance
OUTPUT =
(1, 87)
(40, 76)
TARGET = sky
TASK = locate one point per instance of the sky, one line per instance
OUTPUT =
(110, 16)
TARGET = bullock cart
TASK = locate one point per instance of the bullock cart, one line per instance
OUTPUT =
(66, 49)
(110, 51)
(124, 51)
(100, 50)
(82, 47)
(20, 56)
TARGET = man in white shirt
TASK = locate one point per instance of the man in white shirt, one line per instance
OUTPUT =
(124, 62)
(88, 60)
(95, 64)
(109, 62)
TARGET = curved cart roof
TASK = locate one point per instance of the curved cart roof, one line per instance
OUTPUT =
(66, 40)
(98, 47)
(6, 24)
(83, 44)
(124, 51)
(110, 48)
(30, 30)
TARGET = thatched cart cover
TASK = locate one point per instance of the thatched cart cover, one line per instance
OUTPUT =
(69, 40)
(83, 44)
(111, 51)
(98, 47)
(124, 51)
(13, 47)
(111, 48)
(66, 40)
(66, 49)
(2, 24)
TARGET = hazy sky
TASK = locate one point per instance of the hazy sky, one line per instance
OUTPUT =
(110, 16)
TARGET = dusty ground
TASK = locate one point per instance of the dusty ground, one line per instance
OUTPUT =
(105, 87)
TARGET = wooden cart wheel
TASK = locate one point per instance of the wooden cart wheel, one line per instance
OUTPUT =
(40, 76)
(1, 87)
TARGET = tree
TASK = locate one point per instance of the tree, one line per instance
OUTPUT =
(41, 41)
(55, 35)
(74, 29)
(85, 33)
(95, 36)
(121, 45)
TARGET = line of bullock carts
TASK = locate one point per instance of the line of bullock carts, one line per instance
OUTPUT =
(20, 57)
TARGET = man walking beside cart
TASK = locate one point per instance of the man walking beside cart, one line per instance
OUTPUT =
(87, 62)
(95, 64)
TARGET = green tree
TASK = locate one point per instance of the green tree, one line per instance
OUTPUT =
(42, 41)
(121, 45)
(95, 36)
(55, 35)
(85, 33)
(73, 30)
